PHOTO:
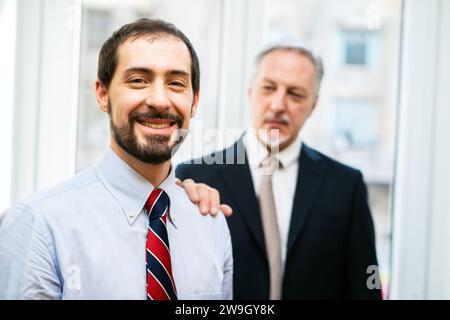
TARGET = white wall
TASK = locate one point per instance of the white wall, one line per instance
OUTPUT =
(7, 58)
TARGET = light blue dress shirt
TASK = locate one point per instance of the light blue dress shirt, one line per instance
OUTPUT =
(85, 239)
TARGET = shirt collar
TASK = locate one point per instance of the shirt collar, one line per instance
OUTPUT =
(128, 187)
(257, 151)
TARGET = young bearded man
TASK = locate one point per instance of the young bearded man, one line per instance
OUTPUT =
(123, 229)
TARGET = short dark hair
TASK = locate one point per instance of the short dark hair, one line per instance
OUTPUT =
(156, 28)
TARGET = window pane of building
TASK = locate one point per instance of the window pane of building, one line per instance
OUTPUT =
(355, 44)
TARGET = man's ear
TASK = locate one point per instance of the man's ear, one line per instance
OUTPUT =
(195, 104)
(102, 96)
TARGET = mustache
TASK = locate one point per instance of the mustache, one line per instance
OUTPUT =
(152, 114)
(277, 117)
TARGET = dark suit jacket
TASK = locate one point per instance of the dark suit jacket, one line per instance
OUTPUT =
(331, 239)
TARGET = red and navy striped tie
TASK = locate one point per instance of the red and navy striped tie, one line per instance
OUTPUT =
(160, 282)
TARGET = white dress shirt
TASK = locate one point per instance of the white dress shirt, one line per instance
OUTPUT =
(284, 180)
(85, 239)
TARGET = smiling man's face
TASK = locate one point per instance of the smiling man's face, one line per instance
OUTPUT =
(150, 97)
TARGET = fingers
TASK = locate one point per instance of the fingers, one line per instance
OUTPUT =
(214, 201)
(191, 189)
(226, 209)
(204, 198)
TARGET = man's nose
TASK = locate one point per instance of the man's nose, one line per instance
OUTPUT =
(158, 97)
(278, 102)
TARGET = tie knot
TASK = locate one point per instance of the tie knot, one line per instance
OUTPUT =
(269, 165)
(157, 204)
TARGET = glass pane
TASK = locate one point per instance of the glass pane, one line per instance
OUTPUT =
(101, 18)
(355, 118)
(355, 44)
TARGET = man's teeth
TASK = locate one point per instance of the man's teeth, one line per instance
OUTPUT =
(156, 125)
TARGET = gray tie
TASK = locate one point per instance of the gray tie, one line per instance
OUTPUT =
(270, 225)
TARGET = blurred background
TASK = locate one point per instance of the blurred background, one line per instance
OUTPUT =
(383, 107)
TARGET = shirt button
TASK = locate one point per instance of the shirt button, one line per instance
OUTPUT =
(131, 214)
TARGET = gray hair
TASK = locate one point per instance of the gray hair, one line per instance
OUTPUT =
(300, 47)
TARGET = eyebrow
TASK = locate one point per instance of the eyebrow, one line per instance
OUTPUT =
(150, 72)
(178, 73)
(268, 80)
(294, 88)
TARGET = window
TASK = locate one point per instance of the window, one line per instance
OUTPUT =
(100, 21)
(355, 46)
(360, 48)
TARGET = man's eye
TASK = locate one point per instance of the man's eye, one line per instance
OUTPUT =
(268, 88)
(137, 80)
(177, 84)
(297, 96)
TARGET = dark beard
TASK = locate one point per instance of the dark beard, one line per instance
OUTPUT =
(156, 150)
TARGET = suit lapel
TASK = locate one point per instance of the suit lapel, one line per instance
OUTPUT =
(310, 174)
(238, 180)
